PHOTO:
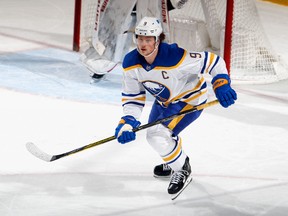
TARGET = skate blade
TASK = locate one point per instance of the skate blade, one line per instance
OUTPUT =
(174, 196)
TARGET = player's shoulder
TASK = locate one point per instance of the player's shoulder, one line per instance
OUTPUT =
(130, 60)
(171, 54)
(171, 49)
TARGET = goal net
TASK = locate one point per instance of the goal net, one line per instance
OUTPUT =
(230, 28)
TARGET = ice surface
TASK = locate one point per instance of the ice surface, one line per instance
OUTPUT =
(239, 155)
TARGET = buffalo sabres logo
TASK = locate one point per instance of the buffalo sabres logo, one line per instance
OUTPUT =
(158, 90)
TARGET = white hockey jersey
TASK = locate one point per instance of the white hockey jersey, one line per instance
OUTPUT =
(175, 75)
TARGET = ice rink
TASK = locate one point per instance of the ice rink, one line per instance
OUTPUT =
(239, 155)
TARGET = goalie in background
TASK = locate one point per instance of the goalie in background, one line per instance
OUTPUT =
(175, 77)
(112, 38)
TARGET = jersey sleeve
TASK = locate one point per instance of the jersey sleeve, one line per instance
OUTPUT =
(133, 95)
(204, 63)
(213, 64)
(133, 92)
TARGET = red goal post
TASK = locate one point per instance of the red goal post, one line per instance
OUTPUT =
(230, 28)
(77, 25)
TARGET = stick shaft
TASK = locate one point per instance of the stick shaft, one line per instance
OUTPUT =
(108, 139)
(195, 108)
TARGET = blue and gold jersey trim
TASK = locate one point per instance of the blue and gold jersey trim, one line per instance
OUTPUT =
(173, 66)
(210, 61)
(132, 67)
(175, 153)
(137, 99)
(192, 94)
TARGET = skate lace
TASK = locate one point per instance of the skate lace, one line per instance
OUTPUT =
(166, 167)
(178, 176)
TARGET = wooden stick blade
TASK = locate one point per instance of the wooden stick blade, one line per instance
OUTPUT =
(34, 150)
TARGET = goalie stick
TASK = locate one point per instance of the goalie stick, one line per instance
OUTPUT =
(34, 150)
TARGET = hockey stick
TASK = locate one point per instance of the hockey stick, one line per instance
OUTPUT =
(33, 149)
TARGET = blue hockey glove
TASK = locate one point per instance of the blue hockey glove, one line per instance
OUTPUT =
(124, 132)
(223, 91)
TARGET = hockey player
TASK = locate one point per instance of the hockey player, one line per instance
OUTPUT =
(174, 76)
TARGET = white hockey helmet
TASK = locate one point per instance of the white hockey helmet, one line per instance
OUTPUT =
(149, 26)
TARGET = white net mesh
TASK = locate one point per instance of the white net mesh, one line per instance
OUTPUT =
(200, 25)
(252, 57)
(88, 14)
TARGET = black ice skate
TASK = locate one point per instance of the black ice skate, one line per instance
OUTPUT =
(162, 171)
(180, 180)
